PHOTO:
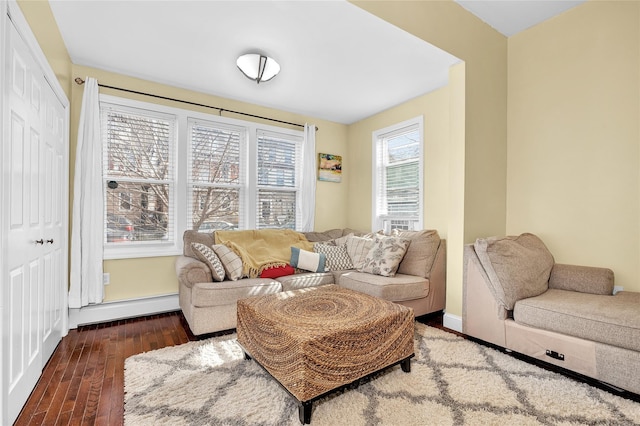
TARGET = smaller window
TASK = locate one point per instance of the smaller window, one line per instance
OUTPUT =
(397, 176)
(279, 157)
(216, 175)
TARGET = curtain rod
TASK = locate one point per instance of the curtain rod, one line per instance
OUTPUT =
(80, 81)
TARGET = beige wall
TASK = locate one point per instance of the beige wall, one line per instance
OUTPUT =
(476, 180)
(573, 150)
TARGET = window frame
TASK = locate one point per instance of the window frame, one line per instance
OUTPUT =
(153, 248)
(181, 189)
(378, 137)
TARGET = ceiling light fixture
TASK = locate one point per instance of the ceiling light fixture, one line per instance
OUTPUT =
(258, 67)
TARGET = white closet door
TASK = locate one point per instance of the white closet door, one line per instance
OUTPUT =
(33, 156)
(52, 189)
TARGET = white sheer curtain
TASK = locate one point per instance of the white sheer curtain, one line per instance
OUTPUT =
(88, 216)
(308, 193)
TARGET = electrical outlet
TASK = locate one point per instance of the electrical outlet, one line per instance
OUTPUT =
(617, 289)
(106, 278)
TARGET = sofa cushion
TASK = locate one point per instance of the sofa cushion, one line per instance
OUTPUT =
(230, 261)
(208, 256)
(304, 280)
(517, 267)
(228, 292)
(384, 256)
(421, 252)
(395, 289)
(337, 257)
(612, 320)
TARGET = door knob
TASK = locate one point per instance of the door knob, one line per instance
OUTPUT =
(40, 241)
(50, 241)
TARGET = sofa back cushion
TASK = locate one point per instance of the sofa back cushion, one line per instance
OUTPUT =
(191, 236)
(421, 252)
(517, 266)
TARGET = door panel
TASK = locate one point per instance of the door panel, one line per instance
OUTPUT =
(33, 311)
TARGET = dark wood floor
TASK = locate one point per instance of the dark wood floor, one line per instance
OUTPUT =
(83, 382)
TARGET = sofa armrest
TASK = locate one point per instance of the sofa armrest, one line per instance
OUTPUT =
(583, 279)
(191, 271)
(482, 316)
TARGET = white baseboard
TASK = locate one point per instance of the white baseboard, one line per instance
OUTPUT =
(452, 322)
(112, 311)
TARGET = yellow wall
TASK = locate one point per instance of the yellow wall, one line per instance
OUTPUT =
(478, 177)
(133, 278)
(434, 107)
(40, 18)
(477, 157)
(573, 137)
(573, 150)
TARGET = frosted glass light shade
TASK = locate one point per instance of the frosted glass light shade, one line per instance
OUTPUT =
(258, 67)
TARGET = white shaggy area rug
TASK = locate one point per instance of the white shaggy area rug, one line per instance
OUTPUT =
(453, 381)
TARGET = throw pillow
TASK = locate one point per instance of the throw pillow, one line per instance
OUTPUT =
(385, 256)
(337, 257)
(517, 267)
(358, 248)
(307, 260)
(277, 271)
(208, 256)
(230, 261)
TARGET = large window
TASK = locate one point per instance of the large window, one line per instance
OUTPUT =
(167, 170)
(139, 178)
(397, 176)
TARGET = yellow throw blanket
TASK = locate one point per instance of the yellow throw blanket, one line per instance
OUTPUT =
(262, 248)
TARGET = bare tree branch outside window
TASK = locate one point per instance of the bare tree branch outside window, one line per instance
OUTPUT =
(138, 171)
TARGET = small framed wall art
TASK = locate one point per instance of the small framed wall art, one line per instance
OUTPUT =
(330, 169)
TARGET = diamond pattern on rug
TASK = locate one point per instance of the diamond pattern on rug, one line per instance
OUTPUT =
(452, 382)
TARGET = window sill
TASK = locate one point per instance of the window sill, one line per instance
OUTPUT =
(139, 250)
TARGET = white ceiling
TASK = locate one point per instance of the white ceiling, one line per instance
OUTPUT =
(339, 62)
(512, 16)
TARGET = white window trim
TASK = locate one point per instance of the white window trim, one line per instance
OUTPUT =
(151, 248)
(376, 223)
(180, 193)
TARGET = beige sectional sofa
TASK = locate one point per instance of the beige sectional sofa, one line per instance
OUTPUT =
(210, 306)
(516, 296)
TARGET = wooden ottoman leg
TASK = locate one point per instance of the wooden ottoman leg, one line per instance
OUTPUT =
(247, 356)
(405, 364)
(304, 412)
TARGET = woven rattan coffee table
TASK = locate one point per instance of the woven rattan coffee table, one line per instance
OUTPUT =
(316, 340)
